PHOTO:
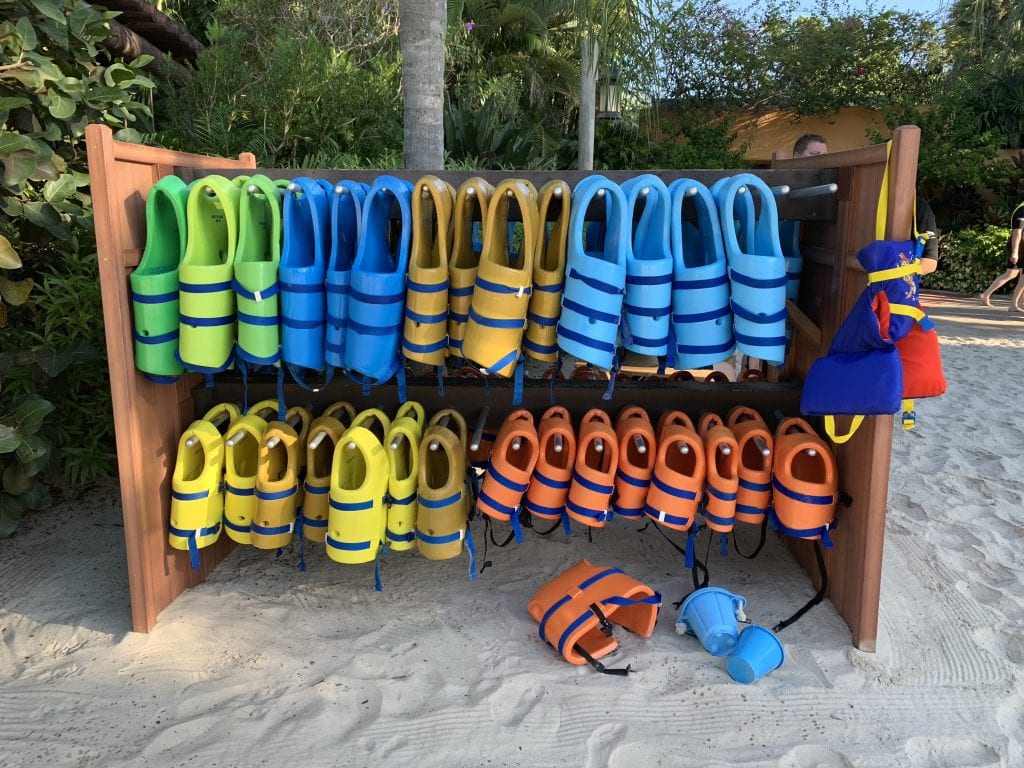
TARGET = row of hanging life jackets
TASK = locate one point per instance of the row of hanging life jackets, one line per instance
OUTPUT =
(323, 276)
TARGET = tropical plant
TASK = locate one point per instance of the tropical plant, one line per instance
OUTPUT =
(55, 80)
(970, 259)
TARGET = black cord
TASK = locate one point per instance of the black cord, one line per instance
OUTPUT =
(760, 543)
(819, 595)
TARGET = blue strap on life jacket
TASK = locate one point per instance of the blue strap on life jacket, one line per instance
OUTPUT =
(376, 301)
(702, 323)
(595, 282)
(757, 267)
(347, 200)
(648, 299)
(302, 270)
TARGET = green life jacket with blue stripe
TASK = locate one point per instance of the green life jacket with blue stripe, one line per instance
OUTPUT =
(257, 259)
(154, 282)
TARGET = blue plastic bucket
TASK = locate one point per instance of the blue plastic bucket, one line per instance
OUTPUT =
(710, 614)
(758, 652)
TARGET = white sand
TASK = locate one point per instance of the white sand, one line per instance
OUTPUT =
(263, 665)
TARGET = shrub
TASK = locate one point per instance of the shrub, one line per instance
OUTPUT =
(970, 259)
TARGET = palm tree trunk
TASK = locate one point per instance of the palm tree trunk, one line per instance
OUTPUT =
(588, 108)
(421, 35)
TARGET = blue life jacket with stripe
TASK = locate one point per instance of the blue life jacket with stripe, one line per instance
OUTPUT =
(648, 299)
(377, 298)
(701, 318)
(303, 265)
(757, 268)
(257, 262)
(346, 210)
(595, 279)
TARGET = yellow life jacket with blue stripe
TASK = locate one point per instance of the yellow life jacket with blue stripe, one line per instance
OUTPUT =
(317, 485)
(504, 280)
(197, 501)
(425, 335)
(359, 486)
(403, 447)
(242, 457)
(548, 272)
(468, 219)
(279, 472)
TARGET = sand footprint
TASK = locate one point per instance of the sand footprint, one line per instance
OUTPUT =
(602, 744)
(511, 709)
(814, 756)
(933, 752)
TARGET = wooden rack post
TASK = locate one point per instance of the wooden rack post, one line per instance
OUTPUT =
(149, 418)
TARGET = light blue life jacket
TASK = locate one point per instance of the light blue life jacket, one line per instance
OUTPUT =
(757, 268)
(376, 301)
(347, 200)
(701, 318)
(595, 278)
(303, 266)
(648, 299)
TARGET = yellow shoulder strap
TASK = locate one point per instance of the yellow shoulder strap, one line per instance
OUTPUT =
(830, 429)
(883, 197)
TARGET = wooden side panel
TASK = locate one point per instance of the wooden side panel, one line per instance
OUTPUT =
(855, 563)
(148, 418)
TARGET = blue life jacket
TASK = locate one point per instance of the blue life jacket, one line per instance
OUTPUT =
(757, 268)
(376, 301)
(649, 267)
(595, 279)
(346, 208)
(303, 265)
(701, 318)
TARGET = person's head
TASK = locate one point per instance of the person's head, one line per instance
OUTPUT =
(810, 144)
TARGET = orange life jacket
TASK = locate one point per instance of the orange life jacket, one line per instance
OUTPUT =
(755, 488)
(677, 484)
(804, 482)
(633, 477)
(722, 456)
(575, 611)
(509, 469)
(593, 477)
(549, 486)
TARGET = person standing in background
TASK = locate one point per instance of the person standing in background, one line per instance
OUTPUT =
(1014, 256)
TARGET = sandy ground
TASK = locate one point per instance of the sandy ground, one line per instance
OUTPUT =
(263, 665)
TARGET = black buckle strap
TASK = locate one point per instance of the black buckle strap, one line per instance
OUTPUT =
(760, 543)
(606, 626)
(598, 665)
(819, 595)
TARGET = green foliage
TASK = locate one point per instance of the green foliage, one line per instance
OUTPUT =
(690, 139)
(289, 82)
(483, 139)
(55, 79)
(970, 259)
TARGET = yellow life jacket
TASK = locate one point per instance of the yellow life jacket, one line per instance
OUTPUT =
(279, 493)
(359, 485)
(425, 337)
(197, 502)
(548, 272)
(442, 497)
(471, 203)
(242, 457)
(504, 280)
(403, 449)
(317, 486)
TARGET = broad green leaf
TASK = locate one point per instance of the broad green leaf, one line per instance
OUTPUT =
(40, 214)
(9, 438)
(58, 189)
(117, 74)
(50, 9)
(61, 107)
(30, 414)
(7, 103)
(19, 166)
(41, 450)
(140, 61)
(9, 258)
(10, 514)
(37, 497)
(13, 142)
(15, 293)
(14, 480)
(32, 447)
(128, 134)
(27, 32)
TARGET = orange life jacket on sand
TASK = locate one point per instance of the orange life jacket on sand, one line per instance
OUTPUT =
(593, 477)
(549, 486)
(721, 453)
(633, 477)
(576, 610)
(509, 470)
(755, 487)
(804, 482)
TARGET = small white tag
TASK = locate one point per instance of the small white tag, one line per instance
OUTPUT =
(258, 296)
